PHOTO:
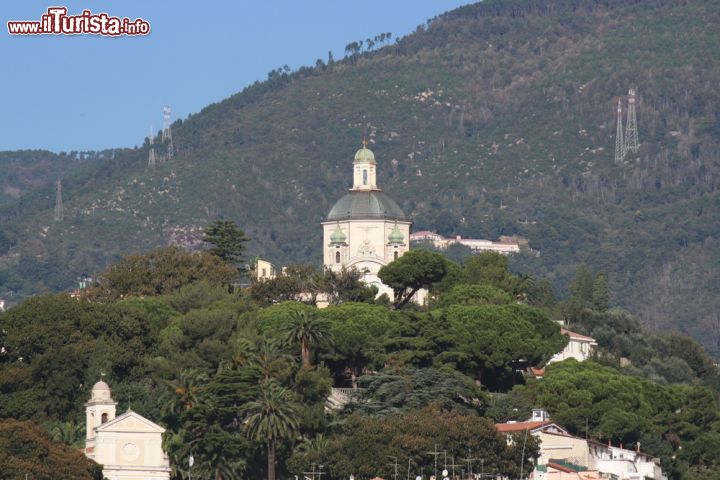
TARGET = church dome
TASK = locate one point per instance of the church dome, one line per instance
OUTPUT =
(366, 205)
(101, 386)
(364, 155)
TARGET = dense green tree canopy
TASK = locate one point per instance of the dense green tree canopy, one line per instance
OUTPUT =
(495, 336)
(158, 272)
(56, 347)
(416, 269)
(474, 295)
(28, 451)
(366, 443)
(227, 240)
(408, 389)
(491, 268)
(359, 332)
(199, 360)
(620, 407)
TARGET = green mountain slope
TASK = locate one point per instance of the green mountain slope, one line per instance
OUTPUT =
(496, 118)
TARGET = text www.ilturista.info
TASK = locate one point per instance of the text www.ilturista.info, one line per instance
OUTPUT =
(57, 22)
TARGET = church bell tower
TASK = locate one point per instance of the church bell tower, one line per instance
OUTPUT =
(100, 409)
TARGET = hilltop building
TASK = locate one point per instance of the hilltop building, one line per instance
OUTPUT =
(129, 447)
(365, 229)
(505, 246)
(579, 347)
(263, 270)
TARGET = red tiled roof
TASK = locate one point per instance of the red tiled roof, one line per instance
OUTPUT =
(538, 372)
(519, 426)
(562, 468)
(576, 336)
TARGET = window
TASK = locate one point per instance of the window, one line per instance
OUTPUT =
(104, 418)
(395, 255)
(337, 257)
(364, 177)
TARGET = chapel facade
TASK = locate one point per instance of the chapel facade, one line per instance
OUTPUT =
(365, 229)
(129, 447)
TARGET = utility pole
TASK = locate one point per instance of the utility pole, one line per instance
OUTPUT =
(435, 454)
(619, 139)
(632, 143)
(395, 463)
(469, 461)
(59, 215)
(453, 465)
(522, 460)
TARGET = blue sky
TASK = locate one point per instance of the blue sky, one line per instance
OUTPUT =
(89, 93)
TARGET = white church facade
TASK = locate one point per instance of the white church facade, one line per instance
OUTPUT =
(129, 447)
(365, 229)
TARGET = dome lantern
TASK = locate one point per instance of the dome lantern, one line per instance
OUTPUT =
(364, 170)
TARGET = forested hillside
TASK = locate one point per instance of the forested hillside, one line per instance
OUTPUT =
(209, 365)
(496, 118)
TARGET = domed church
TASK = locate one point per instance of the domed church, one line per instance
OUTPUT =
(365, 229)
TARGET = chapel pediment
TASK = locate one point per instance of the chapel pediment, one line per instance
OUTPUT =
(130, 422)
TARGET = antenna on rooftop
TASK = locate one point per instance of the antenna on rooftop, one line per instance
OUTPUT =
(167, 134)
(58, 201)
(619, 139)
(151, 155)
(632, 143)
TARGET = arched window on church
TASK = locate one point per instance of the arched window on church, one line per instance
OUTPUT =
(104, 418)
(337, 257)
(364, 177)
(395, 256)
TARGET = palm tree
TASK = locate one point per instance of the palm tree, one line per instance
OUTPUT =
(69, 433)
(243, 350)
(269, 419)
(186, 390)
(270, 360)
(305, 329)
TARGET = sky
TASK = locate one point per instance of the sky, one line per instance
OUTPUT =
(88, 92)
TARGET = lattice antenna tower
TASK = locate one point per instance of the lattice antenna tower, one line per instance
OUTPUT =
(167, 134)
(631, 132)
(619, 139)
(151, 156)
(58, 201)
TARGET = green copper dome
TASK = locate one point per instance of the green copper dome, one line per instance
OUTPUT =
(396, 236)
(364, 155)
(337, 236)
(366, 205)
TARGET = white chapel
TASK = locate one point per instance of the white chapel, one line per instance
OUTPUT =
(129, 447)
(365, 229)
